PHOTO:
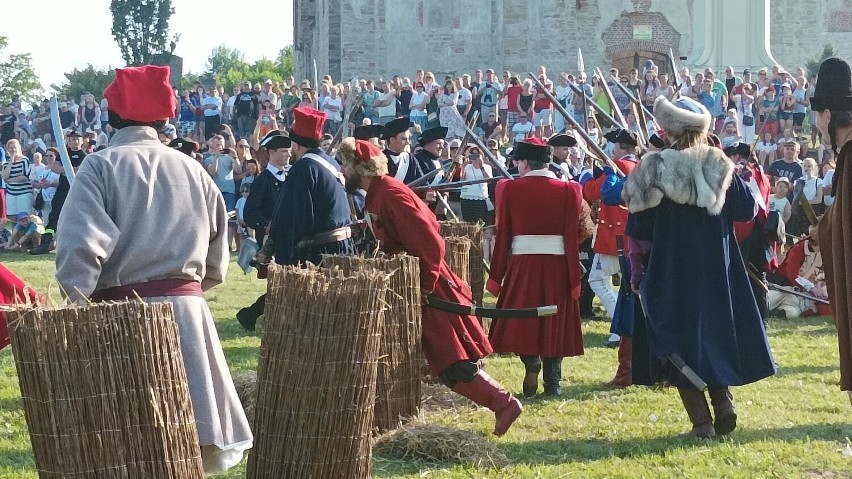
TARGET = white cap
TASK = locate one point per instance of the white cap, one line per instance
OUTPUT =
(456, 143)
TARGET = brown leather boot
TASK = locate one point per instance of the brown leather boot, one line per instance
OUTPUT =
(485, 391)
(624, 374)
(723, 410)
(698, 410)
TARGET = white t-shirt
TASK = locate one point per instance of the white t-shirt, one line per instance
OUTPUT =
(767, 147)
(521, 130)
(240, 207)
(215, 101)
(389, 110)
(811, 187)
(333, 115)
(826, 181)
(51, 177)
(464, 96)
(480, 190)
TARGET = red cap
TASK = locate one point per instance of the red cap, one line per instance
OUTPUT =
(141, 94)
(307, 129)
(534, 140)
(364, 151)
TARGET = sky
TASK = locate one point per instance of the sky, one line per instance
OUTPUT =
(63, 35)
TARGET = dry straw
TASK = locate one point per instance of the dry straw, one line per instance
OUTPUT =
(316, 377)
(398, 384)
(440, 444)
(104, 391)
(476, 263)
(457, 255)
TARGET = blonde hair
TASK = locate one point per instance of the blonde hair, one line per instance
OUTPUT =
(376, 166)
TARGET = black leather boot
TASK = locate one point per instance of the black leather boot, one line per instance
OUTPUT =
(532, 365)
(552, 376)
(723, 410)
(44, 246)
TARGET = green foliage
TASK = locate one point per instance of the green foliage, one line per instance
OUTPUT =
(141, 30)
(89, 79)
(813, 64)
(17, 77)
(223, 59)
(227, 67)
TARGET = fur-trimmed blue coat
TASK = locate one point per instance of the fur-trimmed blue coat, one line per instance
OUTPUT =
(692, 278)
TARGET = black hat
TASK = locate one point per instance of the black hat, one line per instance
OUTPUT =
(274, 140)
(744, 149)
(621, 136)
(656, 140)
(730, 151)
(433, 134)
(833, 90)
(183, 145)
(562, 140)
(366, 132)
(395, 127)
(535, 150)
(74, 134)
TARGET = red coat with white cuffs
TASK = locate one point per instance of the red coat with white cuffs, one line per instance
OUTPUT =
(13, 291)
(403, 223)
(611, 219)
(538, 205)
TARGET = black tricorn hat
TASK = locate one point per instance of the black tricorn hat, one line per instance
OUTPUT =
(531, 151)
(433, 134)
(365, 132)
(562, 140)
(394, 127)
(621, 136)
(274, 140)
(184, 145)
(833, 90)
(743, 149)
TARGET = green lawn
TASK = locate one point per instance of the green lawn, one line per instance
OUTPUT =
(793, 425)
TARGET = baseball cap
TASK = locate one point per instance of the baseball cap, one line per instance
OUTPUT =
(21, 215)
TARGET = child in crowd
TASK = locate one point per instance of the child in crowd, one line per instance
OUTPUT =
(244, 230)
(767, 150)
(26, 234)
(730, 135)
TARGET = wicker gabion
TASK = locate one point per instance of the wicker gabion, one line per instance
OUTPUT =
(398, 385)
(457, 255)
(316, 377)
(104, 391)
(476, 264)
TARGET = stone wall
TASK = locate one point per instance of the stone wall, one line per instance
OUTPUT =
(381, 38)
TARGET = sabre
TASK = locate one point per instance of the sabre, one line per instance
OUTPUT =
(794, 292)
(456, 184)
(483, 312)
(581, 66)
(675, 73)
(675, 358)
(60, 140)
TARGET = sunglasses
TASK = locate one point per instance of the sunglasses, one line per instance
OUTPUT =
(243, 146)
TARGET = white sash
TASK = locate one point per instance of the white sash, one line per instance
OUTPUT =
(403, 161)
(322, 161)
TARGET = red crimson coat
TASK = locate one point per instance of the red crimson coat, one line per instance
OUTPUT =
(611, 219)
(403, 223)
(758, 181)
(13, 291)
(537, 205)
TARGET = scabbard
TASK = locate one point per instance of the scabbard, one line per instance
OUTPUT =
(471, 309)
(687, 371)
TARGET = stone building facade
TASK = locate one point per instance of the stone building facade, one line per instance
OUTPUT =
(381, 38)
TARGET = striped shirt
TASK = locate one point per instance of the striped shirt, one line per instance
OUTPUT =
(19, 169)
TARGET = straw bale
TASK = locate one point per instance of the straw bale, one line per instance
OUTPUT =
(400, 356)
(476, 269)
(104, 391)
(457, 255)
(440, 444)
(316, 376)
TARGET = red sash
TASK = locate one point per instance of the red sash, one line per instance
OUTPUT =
(150, 289)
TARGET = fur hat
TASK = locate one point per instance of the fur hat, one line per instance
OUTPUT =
(364, 157)
(684, 114)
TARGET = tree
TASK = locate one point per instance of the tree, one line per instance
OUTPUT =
(813, 64)
(141, 29)
(222, 59)
(286, 61)
(89, 80)
(17, 77)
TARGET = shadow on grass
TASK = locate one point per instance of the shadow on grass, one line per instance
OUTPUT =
(814, 326)
(550, 452)
(16, 459)
(789, 370)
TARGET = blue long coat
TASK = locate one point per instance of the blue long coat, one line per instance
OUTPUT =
(698, 296)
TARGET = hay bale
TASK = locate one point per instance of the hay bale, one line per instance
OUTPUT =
(400, 356)
(437, 397)
(439, 444)
(457, 255)
(104, 391)
(476, 265)
(316, 375)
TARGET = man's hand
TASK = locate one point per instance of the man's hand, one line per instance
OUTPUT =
(431, 196)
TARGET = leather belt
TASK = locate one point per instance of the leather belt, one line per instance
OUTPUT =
(326, 237)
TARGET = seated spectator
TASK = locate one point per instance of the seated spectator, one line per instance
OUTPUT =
(25, 234)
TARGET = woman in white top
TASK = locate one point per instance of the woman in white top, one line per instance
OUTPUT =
(766, 150)
(744, 102)
(47, 181)
(333, 107)
(450, 116)
(465, 99)
(475, 203)
(812, 184)
(827, 178)
(212, 105)
(419, 100)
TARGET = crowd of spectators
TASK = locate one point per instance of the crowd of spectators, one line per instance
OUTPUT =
(226, 125)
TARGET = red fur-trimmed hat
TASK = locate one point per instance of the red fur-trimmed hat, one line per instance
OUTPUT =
(141, 94)
(307, 129)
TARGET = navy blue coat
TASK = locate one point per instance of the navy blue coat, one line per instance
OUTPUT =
(698, 296)
(312, 201)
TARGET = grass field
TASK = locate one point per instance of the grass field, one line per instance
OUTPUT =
(794, 425)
